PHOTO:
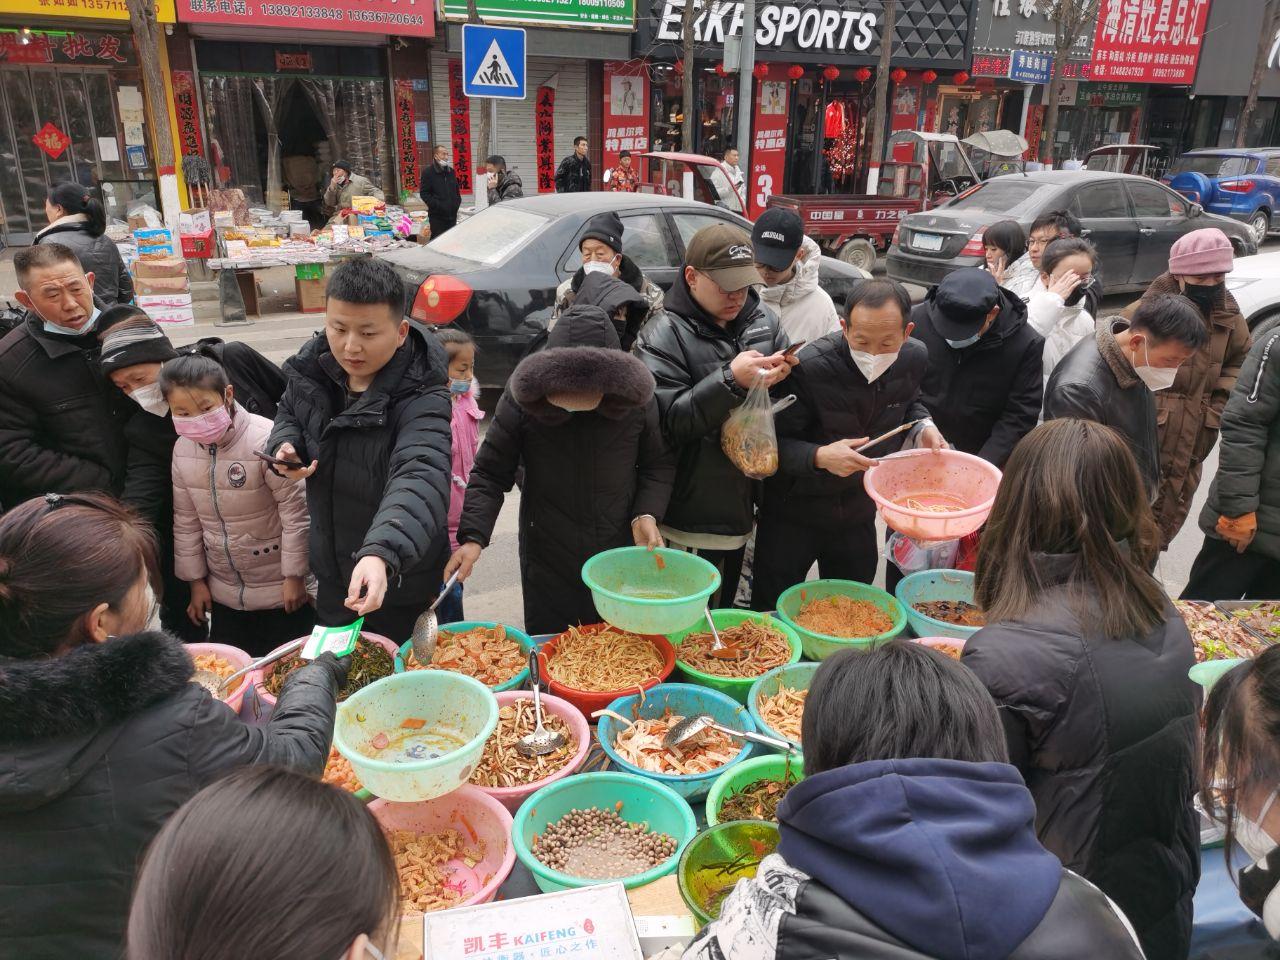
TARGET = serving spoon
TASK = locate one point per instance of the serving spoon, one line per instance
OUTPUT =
(541, 741)
(216, 684)
(426, 629)
(693, 725)
(721, 650)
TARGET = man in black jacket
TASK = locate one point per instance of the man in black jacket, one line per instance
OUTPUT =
(60, 422)
(984, 382)
(850, 386)
(574, 173)
(503, 184)
(440, 193)
(367, 413)
(714, 342)
(1110, 378)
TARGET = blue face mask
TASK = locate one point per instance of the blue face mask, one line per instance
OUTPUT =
(68, 331)
(458, 387)
(968, 342)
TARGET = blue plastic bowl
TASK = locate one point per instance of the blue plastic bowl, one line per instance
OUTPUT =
(929, 585)
(797, 676)
(526, 644)
(682, 699)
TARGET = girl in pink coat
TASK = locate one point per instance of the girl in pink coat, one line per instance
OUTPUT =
(466, 440)
(239, 531)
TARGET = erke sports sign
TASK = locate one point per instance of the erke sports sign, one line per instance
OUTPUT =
(824, 29)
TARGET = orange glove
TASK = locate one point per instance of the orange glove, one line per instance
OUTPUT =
(1238, 531)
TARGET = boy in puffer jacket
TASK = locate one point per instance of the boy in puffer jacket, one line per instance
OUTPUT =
(239, 531)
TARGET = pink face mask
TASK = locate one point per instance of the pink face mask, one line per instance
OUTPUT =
(206, 428)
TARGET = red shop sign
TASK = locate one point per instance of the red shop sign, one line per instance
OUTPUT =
(768, 139)
(411, 18)
(544, 129)
(184, 105)
(293, 61)
(625, 111)
(1143, 42)
(460, 127)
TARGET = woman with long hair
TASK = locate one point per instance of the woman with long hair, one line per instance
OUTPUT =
(1087, 660)
(102, 733)
(78, 221)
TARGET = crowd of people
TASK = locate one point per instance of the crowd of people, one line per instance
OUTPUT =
(1032, 801)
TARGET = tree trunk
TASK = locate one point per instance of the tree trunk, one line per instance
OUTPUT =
(1265, 40)
(1050, 129)
(689, 81)
(146, 35)
(482, 148)
(878, 120)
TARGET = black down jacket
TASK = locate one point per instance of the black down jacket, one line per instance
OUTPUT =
(112, 282)
(61, 420)
(382, 485)
(97, 749)
(440, 191)
(688, 354)
(587, 475)
(1105, 733)
(986, 397)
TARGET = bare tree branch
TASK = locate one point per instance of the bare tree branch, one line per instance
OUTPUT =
(1071, 19)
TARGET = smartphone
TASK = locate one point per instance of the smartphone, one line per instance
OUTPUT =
(288, 464)
(792, 350)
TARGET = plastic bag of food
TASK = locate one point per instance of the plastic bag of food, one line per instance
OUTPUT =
(912, 556)
(748, 438)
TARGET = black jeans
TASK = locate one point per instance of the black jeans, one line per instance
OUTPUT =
(258, 632)
(440, 224)
(1219, 573)
(786, 549)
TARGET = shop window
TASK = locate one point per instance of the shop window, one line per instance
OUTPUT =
(1101, 201)
(1150, 201)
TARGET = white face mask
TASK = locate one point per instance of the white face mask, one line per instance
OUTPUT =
(1156, 378)
(598, 266)
(873, 365)
(150, 399)
(1255, 841)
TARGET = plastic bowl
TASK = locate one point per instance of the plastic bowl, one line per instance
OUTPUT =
(724, 619)
(797, 676)
(819, 646)
(522, 638)
(469, 811)
(929, 585)
(440, 698)
(237, 658)
(942, 644)
(589, 701)
(772, 766)
(699, 875)
(1209, 672)
(650, 591)
(682, 699)
(512, 797)
(642, 801)
(923, 474)
(269, 701)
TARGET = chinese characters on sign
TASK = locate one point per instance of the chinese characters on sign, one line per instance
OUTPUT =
(413, 18)
(293, 61)
(1027, 66)
(626, 111)
(460, 127)
(769, 139)
(406, 144)
(78, 47)
(51, 140)
(595, 14)
(544, 129)
(1149, 41)
(184, 105)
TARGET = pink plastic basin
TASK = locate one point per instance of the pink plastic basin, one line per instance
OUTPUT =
(480, 819)
(237, 658)
(512, 797)
(941, 643)
(269, 702)
(948, 476)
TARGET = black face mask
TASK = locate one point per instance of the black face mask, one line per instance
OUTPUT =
(1204, 296)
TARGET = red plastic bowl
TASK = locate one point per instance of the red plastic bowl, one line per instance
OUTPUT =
(589, 701)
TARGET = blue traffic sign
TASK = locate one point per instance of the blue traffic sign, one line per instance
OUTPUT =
(1027, 66)
(493, 61)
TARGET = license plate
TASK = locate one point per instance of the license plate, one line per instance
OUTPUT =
(927, 241)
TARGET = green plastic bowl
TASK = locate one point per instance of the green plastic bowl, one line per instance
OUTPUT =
(700, 876)
(772, 766)
(650, 591)
(819, 646)
(724, 619)
(1209, 672)
(520, 637)
(643, 801)
(797, 676)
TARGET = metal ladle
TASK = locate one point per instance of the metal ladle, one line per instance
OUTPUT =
(541, 741)
(426, 628)
(692, 726)
(721, 650)
(216, 684)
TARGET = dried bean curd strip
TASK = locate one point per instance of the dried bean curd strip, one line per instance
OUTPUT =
(607, 659)
(501, 765)
(765, 648)
(844, 617)
(640, 744)
(784, 711)
(420, 860)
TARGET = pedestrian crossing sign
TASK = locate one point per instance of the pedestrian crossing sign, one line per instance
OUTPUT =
(493, 61)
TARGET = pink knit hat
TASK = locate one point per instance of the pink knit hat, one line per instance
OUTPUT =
(1201, 251)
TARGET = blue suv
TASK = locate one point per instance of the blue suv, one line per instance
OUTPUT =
(1241, 184)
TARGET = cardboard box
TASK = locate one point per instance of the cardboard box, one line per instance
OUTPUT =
(175, 317)
(164, 301)
(310, 295)
(160, 286)
(198, 246)
(195, 221)
(168, 267)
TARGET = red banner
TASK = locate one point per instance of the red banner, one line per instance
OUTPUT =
(406, 145)
(416, 18)
(544, 127)
(1144, 42)
(184, 106)
(1035, 126)
(625, 117)
(905, 115)
(460, 128)
(769, 139)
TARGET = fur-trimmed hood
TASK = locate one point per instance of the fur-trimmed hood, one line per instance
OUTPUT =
(1115, 358)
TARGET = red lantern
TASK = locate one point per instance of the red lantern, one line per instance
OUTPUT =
(760, 71)
(721, 71)
(897, 75)
(928, 76)
(862, 74)
(679, 67)
(830, 73)
(795, 71)
(961, 78)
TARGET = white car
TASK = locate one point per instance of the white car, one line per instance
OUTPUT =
(1255, 283)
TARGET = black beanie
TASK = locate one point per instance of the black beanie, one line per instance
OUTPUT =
(130, 337)
(343, 165)
(605, 227)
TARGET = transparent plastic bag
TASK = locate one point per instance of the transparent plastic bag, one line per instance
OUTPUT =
(912, 556)
(748, 438)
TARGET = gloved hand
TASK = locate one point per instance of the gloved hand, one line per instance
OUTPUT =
(1238, 531)
(338, 668)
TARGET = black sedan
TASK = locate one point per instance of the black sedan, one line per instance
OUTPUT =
(495, 274)
(1132, 221)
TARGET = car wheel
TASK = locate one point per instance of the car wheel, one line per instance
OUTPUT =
(859, 252)
(1260, 223)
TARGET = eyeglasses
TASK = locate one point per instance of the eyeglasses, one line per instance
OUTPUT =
(723, 291)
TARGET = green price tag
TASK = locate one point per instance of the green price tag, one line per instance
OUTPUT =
(339, 641)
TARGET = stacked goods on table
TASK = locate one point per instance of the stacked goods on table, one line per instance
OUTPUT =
(195, 229)
(160, 281)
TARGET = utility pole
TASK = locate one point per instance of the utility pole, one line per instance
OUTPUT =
(146, 35)
(746, 64)
(487, 110)
(877, 121)
(690, 78)
(1266, 44)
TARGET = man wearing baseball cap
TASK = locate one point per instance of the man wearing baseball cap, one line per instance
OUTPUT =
(788, 262)
(714, 342)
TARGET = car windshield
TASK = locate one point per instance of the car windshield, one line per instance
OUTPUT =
(1006, 195)
(490, 236)
(1211, 165)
